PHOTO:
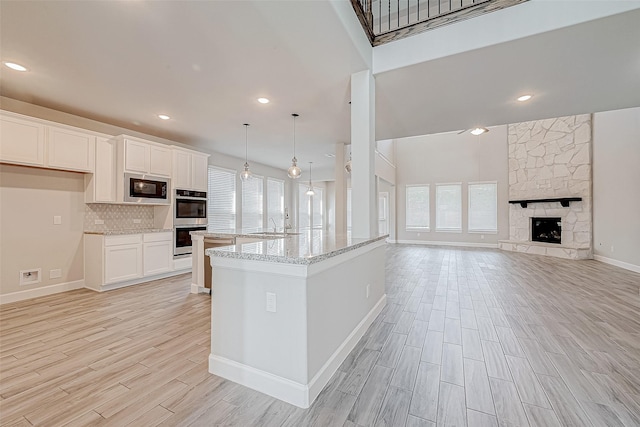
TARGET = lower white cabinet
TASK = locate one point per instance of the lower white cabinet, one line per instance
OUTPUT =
(158, 253)
(122, 260)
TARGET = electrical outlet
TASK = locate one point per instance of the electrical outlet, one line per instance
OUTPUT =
(368, 289)
(418, 234)
(137, 221)
(611, 248)
(98, 222)
(54, 274)
(482, 236)
(57, 220)
(271, 302)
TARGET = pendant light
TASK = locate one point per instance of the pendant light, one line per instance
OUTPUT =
(310, 191)
(246, 174)
(347, 167)
(294, 171)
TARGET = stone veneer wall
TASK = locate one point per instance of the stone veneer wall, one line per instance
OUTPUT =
(547, 159)
(117, 217)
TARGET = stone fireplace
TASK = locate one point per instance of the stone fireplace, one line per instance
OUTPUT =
(550, 163)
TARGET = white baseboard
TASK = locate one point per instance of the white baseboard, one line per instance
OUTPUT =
(300, 395)
(437, 243)
(41, 291)
(621, 264)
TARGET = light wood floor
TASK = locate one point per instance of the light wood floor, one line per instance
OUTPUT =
(469, 337)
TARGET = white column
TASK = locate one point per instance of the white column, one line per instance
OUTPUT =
(340, 210)
(363, 197)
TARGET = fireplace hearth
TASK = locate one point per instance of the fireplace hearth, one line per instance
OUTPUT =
(548, 230)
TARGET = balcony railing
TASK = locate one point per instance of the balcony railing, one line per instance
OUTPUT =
(388, 20)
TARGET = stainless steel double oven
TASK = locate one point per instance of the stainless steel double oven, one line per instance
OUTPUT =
(189, 214)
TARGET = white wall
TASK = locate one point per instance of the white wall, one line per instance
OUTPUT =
(616, 187)
(29, 199)
(446, 158)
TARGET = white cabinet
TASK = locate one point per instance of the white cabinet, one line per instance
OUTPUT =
(21, 141)
(70, 150)
(158, 253)
(100, 187)
(144, 157)
(122, 258)
(34, 142)
(189, 169)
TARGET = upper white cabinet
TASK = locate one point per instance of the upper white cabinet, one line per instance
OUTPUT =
(34, 142)
(144, 157)
(100, 187)
(189, 169)
(21, 141)
(70, 150)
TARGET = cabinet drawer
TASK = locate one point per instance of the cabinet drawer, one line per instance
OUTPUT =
(158, 237)
(126, 239)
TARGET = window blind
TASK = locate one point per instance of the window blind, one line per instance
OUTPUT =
(318, 204)
(483, 207)
(252, 204)
(417, 207)
(221, 203)
(348, 209)
(304, 207)
(275, 202)
(448, 207)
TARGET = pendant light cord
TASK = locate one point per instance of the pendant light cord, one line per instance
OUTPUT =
(246, 133)
(294, 134)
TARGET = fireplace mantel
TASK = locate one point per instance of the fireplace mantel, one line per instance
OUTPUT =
(564, 201)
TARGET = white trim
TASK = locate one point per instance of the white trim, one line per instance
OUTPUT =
(436, 243)
(300, 395)
(109, 287)
(621, 264)
(41, 291)
(384, 158)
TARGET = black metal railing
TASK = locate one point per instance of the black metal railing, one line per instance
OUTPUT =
(387, 20)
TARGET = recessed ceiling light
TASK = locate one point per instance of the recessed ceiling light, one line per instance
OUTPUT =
(163, 117)
(330, 155)
(15, 66)
(263, 100)
(524, 98)
(479, 131)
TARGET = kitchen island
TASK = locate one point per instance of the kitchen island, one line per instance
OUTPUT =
(286, 311)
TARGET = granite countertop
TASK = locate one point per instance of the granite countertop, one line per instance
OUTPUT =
(305, 248)
(252, 233)
(129, 231)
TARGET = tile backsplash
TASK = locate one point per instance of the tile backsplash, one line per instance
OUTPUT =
(117, 217)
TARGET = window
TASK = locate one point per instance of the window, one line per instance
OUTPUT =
(221, 206)
(417, 207)
(252, 204)
(483, 207)
(318, 199)
(448, 207)
(275, 202)
(304, 207)
(348, 209)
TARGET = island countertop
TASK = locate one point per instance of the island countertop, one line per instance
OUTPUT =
(305, 248)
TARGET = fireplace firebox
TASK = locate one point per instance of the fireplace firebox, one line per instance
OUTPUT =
(548, 230)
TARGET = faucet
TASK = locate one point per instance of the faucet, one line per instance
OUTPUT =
(287, 225)
(275, 227)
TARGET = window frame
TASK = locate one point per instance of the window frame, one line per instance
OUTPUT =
(442, 229)
(406, 210)
(478, 231)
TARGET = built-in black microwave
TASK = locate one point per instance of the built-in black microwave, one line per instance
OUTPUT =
(147, 189)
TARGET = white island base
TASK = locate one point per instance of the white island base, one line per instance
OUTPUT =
(284, 328)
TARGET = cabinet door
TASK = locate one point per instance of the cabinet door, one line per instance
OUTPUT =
(158, 257)
(136, 156)
(104, 175)
(70, 150)
(199, 173)
(159, 161)
(122, 262)
(21, 141)
(182, 170)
